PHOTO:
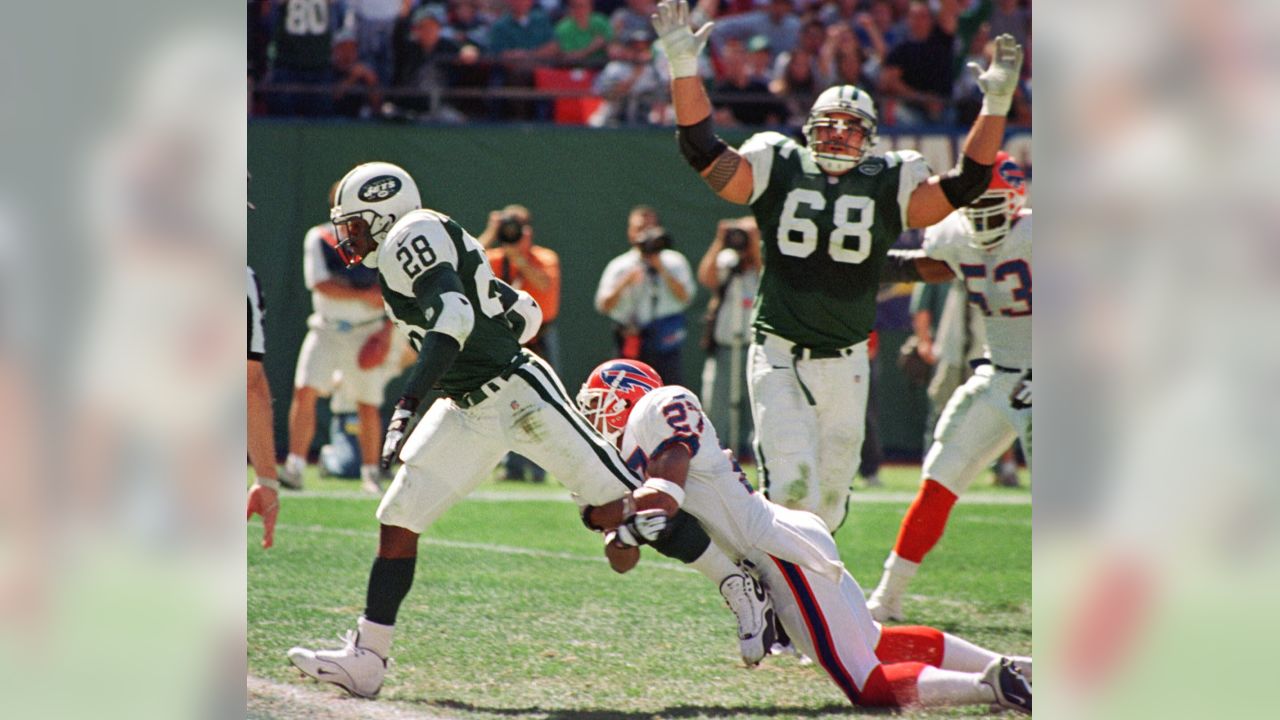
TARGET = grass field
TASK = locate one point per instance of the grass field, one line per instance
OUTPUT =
(515, 614)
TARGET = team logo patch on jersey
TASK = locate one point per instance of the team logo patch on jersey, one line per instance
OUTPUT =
(379, 188)
(871, 168)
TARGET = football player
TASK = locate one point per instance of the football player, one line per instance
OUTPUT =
(988, 245)
(467, 327)
(827, 214)
(664, 434)
(347, 313)
(264, 496)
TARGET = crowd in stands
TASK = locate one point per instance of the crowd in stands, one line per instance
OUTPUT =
(596, 62)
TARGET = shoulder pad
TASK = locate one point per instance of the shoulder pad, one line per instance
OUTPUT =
(895, 158)
(782, 143)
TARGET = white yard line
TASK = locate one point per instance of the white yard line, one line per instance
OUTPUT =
(283, 701)
(879, 498)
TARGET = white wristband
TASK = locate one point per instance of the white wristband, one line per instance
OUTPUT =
(996, 104)
(269, 483)
(683, 67)
(666, 487)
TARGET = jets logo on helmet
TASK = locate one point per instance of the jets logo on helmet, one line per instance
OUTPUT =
(611, 392)
(379, 188)
(838, 116)
(993, 213)
(368, 201)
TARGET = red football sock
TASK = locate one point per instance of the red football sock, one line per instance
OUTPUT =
(892, 685)
(911, 643)
(925, 520)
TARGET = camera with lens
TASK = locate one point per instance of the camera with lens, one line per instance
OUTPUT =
(735, 239)
(510, 229)
(653, 241)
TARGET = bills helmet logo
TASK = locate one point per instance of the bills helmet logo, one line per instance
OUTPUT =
(612, 391)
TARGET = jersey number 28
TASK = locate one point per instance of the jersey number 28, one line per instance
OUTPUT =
(854, 214)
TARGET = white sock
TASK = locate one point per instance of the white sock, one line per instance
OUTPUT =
(375, 637)
(935, 686)
(962, 655)
(715, 565)
(295, 462)
(370, 472)
(897, 576)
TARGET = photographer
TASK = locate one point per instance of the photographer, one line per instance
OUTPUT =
(517, 261)
(645, 291)
(730, 269)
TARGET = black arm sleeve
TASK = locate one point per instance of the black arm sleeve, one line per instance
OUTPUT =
(699, 144)
(900, 266)
(966, 182)
(434, 360)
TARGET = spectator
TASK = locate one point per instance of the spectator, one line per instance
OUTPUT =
(841, 61)
(523, 265)
(918, 72)
(635, 16)
(741, 98)
(1011, 16)
(348, 99)
(777, 22)
(520, 39)
(466, 26)
(812, 37)
(730, 269)
(886, 23)
(374, 22)
(583, 35)
(797, 85)
(645, 291)
(425, 63)
(633, 89)
(301, 54)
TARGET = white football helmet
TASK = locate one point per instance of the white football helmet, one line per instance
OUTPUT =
(838, 157)
(369, 200)
(993, 213)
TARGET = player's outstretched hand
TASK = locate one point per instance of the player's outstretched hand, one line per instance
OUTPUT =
(264, 501)
(999, 81)
(396, 431)
(1020, 398)
(680, 44)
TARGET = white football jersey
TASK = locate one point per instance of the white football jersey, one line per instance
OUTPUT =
(998, 282)
(320, 264)
(736, 517)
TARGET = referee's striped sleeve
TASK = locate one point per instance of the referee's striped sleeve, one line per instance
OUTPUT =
(257, 309)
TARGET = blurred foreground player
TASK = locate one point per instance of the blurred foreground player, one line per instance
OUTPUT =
(264, 496)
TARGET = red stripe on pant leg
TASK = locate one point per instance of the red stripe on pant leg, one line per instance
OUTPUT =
(924, 522)
(911, 643)
(893, 685)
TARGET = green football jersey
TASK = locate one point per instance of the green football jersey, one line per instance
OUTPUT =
(825, 238)
(303, 35)
(420, 251)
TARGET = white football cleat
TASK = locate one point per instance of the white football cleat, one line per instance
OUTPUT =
(1023, 664)
(754, 609)
(1013, 692)
(885, 607)
(357, 670)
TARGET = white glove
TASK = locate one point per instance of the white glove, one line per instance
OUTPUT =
(1020, 398)
(643, 527)
(1000, 81)
(396, 430)
(679, 43)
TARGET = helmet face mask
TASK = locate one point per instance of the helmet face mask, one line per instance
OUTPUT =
(355, 241)
(990, 216)
(611, 392)
(841, 129)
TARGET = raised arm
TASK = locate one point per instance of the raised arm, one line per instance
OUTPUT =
(720, 166)
(941, 194)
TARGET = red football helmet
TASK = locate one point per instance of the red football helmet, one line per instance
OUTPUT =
(612, 390)
(992, 214)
